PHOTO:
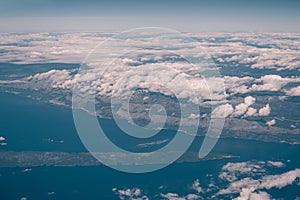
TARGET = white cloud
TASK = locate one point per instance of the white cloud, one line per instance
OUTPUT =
(172, 196)
(265, 83)
(293, 91)
(272, 83)
(192, 197)
(249, 194)
(53, 79)
(194, 116)
(276, 163)
(196, 186)
(222, 111)
(153, 143)
(251, 112)
(264, 111)
(241, 108)
(2, 138)
(132, 194)
(271, 122)
(247, 186)
(231, 171)
(279, 181)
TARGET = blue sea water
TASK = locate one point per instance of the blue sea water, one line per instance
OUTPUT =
(29, 125)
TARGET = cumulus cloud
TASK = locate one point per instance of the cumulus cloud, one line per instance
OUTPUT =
(196, 186)
(222, 111)
(248, 188)
(132, 194)
(2, 138)
(251, 112)
(241, 108)
(251, 50)
(276, 163)
(269, 82)
(250, 194)
(231, 171)
(61, 79)
(264, 111)
(279, 181)
(293, 91)
(174, 196)
(271, 122)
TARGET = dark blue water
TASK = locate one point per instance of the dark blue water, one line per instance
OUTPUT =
(28, 125)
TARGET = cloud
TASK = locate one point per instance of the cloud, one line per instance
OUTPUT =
(249, 194)
(276, 164)
(251, 112)
(272, 83)
(132, 194)
(268, 82)
(2, 138)
(244, 109)
(194, 116)
(192, 197)
(241, 108)
(265, 111)
(222, 111)
(247, 186)
(271, 122)
(174, 196)
(61, 79)
(279, 181)
(196, 186)
(231, 171)
(153, 143)
(293, 91)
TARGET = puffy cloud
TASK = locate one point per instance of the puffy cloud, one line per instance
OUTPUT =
(172, 196)
(196, 186)
(269, 82)
(2, 138)
(222, 111)
(247, 186)
(271, 122)
(241, 108)
(52, 79)
(272, 83)
(264, 111)
(293, 91)
(133, 194)
(251, 50)
(276, 164)
(279, 181)
(192, 197)
(231, 171)
(251, 112)
(244, 109)
(242, 167)
(194, 116)
(249, 194)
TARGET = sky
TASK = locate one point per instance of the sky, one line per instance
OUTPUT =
(188, 15)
